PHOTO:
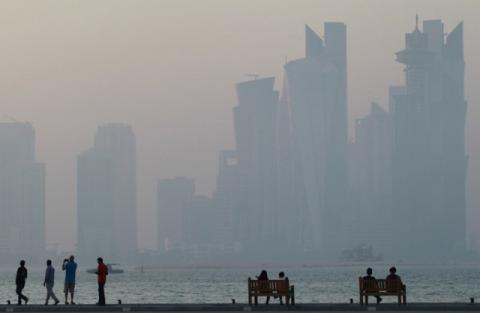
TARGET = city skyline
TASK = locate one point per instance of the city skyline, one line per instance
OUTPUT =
(60, 166)
(294, 181)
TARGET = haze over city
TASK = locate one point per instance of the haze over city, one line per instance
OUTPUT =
(169, 69)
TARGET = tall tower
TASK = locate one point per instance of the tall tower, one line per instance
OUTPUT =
(95, 209)
(371, 181)
(22, 194)
(317, 100)
(429, 161)
(111, 164)
(254, 120)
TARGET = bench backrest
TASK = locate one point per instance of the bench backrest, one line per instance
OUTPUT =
(279, 285)
(368, 284)
(391, 285)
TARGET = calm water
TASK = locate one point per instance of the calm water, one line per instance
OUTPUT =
(319, 284)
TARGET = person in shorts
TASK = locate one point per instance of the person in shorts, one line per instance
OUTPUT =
(70, 268)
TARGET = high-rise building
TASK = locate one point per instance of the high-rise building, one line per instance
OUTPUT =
(316, 87)
(225, 201)
(22, 193)
(371, 181)
(172, 194)
(429, 161)
(287, 213)
(198, 225)
(255, 130)
(110, 166)
(95, 206)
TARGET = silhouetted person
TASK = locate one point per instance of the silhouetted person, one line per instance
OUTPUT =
(102, 272)
(370, 277)
(20, 280)
(393, 279)
(264, 276)
(70, 268)
(281, 276)
(49, 281)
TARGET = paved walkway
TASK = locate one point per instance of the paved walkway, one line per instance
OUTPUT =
(146, 308)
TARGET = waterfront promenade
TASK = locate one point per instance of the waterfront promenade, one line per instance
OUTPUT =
(412, 307)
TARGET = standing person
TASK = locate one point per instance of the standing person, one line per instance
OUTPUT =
(102, 272)
(49, 281)
(20, 280)
(70, 268)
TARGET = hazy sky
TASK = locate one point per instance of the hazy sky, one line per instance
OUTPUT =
(168, 68)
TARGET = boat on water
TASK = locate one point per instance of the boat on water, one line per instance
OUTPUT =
(111, 270)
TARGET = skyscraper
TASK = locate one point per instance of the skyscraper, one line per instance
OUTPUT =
(255, 129)
(429, 161)
(371, 181)
(110, 165)
(318, 105)
(172, 194)
(95, 205)
(22, 193)
(225, 200)
(287, 212)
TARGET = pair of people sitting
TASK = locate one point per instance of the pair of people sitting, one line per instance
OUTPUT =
(392, 279)
(264, 276)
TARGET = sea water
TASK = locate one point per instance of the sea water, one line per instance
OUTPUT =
(323, 284)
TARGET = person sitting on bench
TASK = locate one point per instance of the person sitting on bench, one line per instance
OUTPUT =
(264, 276)
(369, 277)
(393, 280)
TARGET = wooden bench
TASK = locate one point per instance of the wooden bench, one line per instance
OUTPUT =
(270, 288)
(381, 287)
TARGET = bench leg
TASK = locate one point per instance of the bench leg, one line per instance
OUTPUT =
(399, 299)
(361, 299)
(249, 300)
(256, 300)
(366, 299)
(404, 299)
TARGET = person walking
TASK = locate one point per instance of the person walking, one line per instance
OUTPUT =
(102, 272)
(49, 281)
(20, 280)
(70, 268)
